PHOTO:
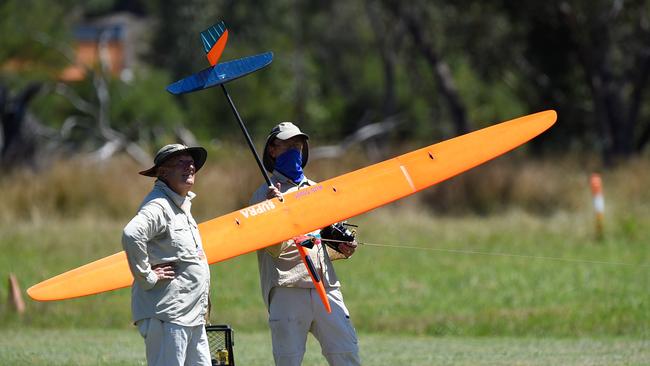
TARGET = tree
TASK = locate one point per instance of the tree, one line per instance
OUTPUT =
(19, 140)
(27, 62)
(415, 17)
(606, 49)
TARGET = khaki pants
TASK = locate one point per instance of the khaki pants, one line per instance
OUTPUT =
(294, 312)
(169, 344)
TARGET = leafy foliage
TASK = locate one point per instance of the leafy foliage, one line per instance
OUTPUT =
(29, 28)
(440, 67)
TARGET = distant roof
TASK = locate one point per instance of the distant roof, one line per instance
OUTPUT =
(93, 32)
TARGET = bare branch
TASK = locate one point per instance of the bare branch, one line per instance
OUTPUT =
(185, 136)
(444, 78)
(360, 136)
(76, 100)
(137, 153)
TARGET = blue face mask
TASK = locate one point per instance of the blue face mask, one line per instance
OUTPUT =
(289, 163)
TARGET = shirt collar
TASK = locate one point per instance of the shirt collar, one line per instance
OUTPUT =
(178, 200)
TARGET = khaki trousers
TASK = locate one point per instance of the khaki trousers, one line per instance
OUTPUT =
(169, 344)
(294, 312)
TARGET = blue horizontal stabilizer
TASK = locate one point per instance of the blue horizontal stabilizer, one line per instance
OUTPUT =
(220, 73)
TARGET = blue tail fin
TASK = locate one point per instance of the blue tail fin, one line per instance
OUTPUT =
(211, 35)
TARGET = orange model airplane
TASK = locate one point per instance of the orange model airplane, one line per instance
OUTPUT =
(310, 208)
(317, 206)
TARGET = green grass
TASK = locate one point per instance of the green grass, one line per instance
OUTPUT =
(418, 292)
(481, 290)
(125, 347)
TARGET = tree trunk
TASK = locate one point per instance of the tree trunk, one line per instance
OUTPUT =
(387, 55)
(616, 111)
(641, 84)
(442, 72)
(19, 142)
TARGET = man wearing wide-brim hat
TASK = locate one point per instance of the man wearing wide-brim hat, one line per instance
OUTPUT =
(169, 296)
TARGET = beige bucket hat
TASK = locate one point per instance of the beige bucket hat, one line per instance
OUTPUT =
(198, 153)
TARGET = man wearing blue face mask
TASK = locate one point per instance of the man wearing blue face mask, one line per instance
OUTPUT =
(289, 294)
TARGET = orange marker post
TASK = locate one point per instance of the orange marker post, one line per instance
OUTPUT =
(599, 202)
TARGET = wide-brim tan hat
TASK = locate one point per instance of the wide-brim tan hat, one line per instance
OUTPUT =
(284, 131)
(198, 153)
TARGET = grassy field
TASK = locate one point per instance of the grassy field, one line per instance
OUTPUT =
(123, 347)
(410, 291)
(526, 285)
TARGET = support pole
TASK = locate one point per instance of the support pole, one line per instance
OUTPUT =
(15, 295)
(247, 136)
(303, 253)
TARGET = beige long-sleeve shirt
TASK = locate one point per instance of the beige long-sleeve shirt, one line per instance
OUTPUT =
(164, 231)
(280, 265)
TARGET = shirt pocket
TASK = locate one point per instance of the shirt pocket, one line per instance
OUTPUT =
(181, 233)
